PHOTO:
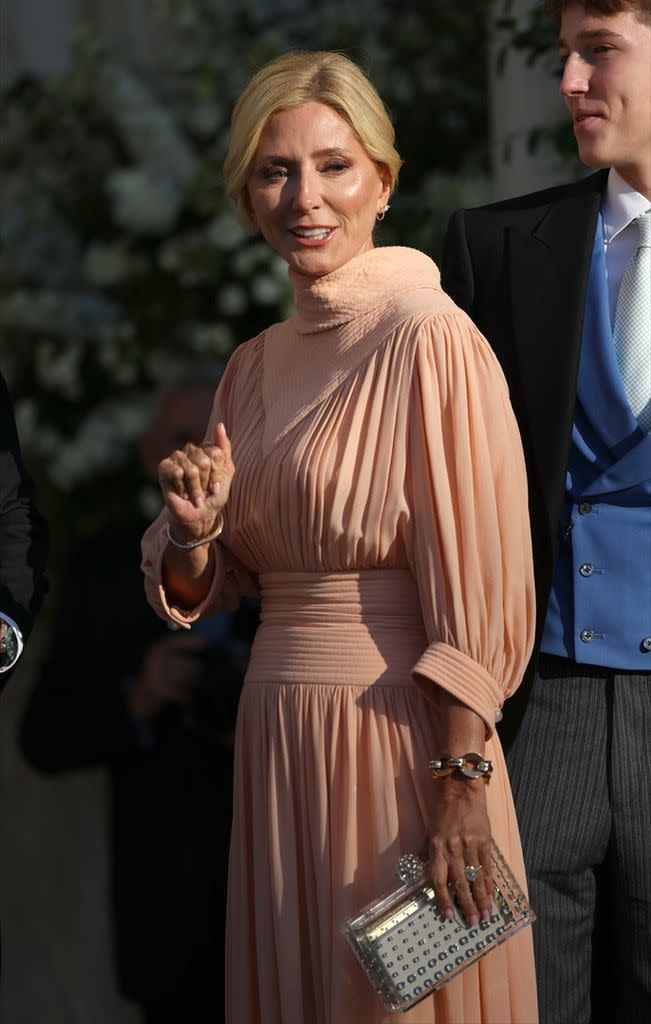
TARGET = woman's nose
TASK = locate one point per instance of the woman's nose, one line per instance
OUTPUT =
(306, 191)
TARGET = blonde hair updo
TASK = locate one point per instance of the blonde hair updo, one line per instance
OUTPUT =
(290, 81)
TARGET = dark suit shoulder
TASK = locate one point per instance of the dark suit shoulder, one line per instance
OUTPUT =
(534, 201)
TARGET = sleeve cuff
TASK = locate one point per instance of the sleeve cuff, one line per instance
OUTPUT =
(184, 617)
(466, 680)
(11, 644)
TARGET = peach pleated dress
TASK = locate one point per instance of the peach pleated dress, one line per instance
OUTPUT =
(379, 507)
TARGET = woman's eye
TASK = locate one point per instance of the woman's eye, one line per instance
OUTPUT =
(336, 165)
(274, 173)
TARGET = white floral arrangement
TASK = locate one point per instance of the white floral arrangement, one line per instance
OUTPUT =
(123, 260)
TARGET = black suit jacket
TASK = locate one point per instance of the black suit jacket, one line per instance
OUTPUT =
(23, 532)
(520, 269)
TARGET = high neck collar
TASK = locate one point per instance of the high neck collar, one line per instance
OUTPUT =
(364, 283)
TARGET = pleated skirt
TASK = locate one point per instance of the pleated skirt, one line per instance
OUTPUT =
(331, 787)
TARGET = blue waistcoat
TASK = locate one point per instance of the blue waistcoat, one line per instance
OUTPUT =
(600, 606)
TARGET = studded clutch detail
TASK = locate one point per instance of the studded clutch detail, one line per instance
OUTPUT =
(409, 950)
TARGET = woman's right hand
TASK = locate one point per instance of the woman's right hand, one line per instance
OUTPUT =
(195, 483)
(459, 838)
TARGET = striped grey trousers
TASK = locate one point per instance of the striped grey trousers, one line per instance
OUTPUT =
(580, 768)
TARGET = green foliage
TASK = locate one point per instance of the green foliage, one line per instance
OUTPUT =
(122, 258)
(535, 35)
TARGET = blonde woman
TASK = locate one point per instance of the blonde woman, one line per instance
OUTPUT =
(362, 470)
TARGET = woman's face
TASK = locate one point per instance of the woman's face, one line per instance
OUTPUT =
(313, 189)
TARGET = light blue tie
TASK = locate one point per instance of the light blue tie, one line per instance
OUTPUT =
(632, 331)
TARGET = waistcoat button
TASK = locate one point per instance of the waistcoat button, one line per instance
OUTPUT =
(586, 569)
(587, 636)
(646, 643)
(585, 508)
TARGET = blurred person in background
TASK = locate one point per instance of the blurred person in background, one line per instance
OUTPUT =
(157, 708)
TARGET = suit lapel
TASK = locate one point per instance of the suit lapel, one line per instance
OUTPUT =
(549, 266)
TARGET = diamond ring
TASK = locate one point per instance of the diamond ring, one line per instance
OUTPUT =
(471, 872)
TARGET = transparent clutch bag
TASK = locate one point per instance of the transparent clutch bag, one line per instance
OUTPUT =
(409, 950)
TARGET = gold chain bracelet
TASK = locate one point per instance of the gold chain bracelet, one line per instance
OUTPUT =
(471, 765)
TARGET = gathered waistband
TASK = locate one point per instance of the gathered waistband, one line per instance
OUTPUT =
(356, 628)
(364, 596)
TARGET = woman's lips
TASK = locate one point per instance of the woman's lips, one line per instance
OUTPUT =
(311, 237)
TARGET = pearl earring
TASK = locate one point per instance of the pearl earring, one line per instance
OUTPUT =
(382, 214)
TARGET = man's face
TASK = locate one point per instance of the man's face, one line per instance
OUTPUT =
(606, 85)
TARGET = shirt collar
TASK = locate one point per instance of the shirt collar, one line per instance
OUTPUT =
(621, 205)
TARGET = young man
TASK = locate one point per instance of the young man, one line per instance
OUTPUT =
(560, 284)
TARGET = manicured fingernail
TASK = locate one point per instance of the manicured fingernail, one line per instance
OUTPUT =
(449, 913)
(215, 487)
(198, 501)
(473, 919)
(485, 915)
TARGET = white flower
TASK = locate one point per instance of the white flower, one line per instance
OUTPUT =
(231, 300)
(125, 331)
(146, 126)
(168, 256)
(150, 501)
(26, 415)
(279, 268)
(108, 356)
(226, 232)
(101, 444)
(61, 372)
(67, 314)
(203, 118)
(128, 416)
(189, 278)
(211, 339)
(106, 264)
(246, 259)
(265, 289)
(140, 204)
(162, 365)
(125, 374)
(46, 442)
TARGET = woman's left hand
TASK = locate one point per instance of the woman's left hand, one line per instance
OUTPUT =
(459, 838)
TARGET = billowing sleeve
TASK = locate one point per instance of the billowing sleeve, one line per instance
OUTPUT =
(468, 539)
(231, 580)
